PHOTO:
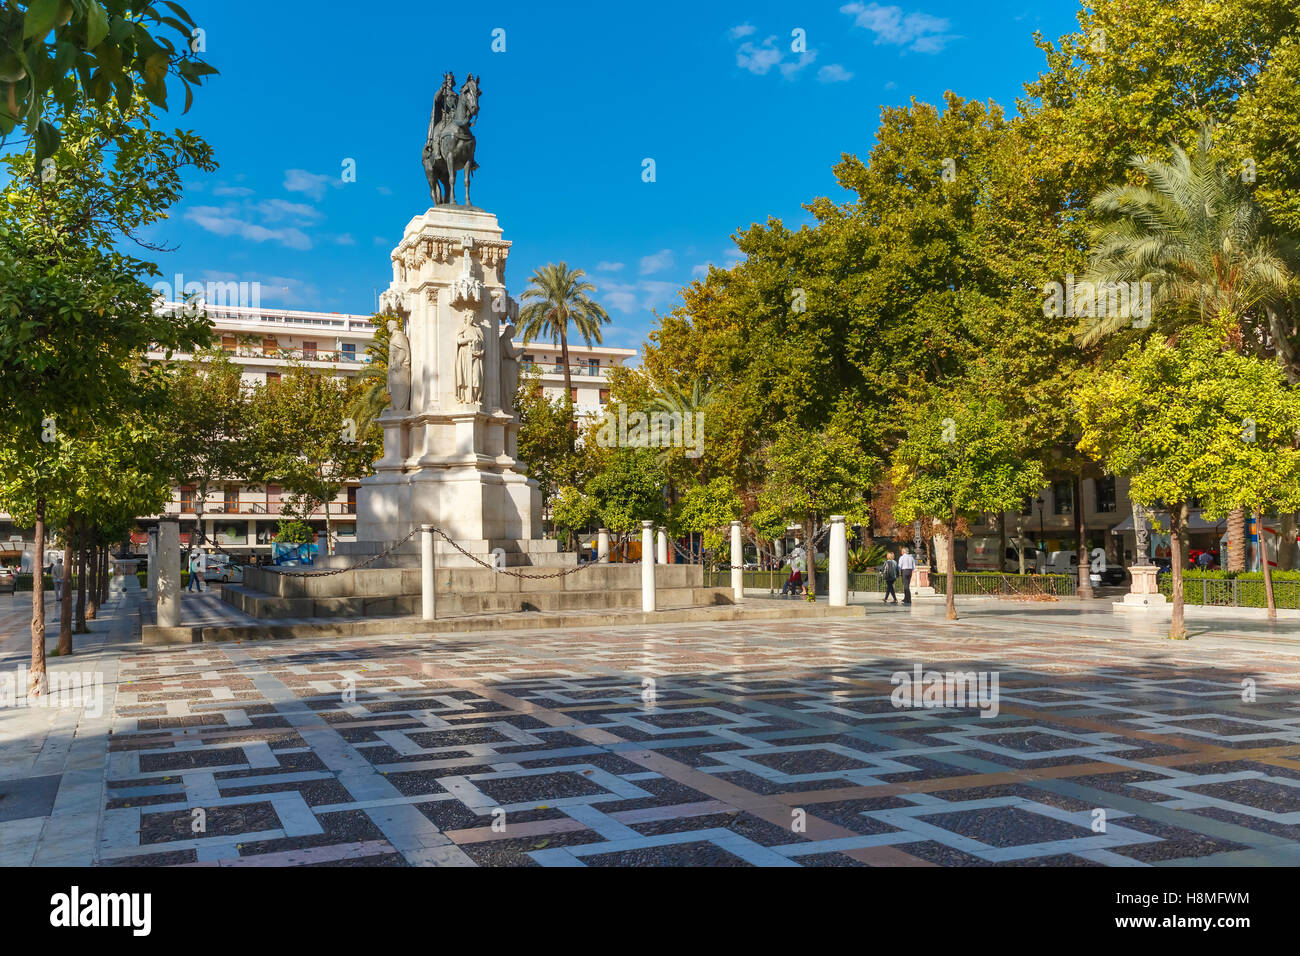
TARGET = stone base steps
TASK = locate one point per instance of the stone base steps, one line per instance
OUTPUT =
(289, 628)
(265, 606)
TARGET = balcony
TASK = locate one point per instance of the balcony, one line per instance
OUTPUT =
(549, 368)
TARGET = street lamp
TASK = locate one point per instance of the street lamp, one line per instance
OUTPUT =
(1042, 535)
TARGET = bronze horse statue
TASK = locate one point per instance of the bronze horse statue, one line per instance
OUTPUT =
(450, 147)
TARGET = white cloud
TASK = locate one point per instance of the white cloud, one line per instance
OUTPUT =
(345, 240)
(237, 191)
(313, 184)
(609, 267)
(834, 73)
(789, 70)
(700, 271)
(758, 60)
(635, 297)
(918, 32)
(250, 221)
(658, 262)
(742, 31)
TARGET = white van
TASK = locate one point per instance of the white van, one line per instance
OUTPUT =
(982, 555)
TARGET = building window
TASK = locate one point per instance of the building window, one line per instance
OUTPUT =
(273, 499)
(309, 351)
(349, 351)
(1062, 498)
(228, 343)
(352, 501)
(232, 499)
(270, 346)
(272, 377)
(1105, 495)
(604, 396)
(593, 366)
(187, 499)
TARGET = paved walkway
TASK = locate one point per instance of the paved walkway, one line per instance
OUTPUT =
(733, 744)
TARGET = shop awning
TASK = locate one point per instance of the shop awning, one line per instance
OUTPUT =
(1195, 522)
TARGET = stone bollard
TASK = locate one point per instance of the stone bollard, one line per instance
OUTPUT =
(153, 564)
(838, 586)
(661, 547)
(602, 546)
(737, 564)
(169, 573)
(428, 602)
(647, 566)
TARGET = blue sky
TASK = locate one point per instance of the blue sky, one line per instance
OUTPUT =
(740, 127)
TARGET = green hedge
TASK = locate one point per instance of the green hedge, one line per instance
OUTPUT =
(993, 584)
(1235, 588)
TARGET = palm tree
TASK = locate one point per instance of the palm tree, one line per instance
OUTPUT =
(1195, 233)
(372, 394)
(557, 296)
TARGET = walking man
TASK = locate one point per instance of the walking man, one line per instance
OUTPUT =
(196, 570)
(58, 578)
(890, 574)
(906, 565)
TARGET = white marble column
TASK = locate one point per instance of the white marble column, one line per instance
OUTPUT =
(647, 566)
(169, 573)
(838, 585)
(602, 546)
(661, 547)
(737, 563)
(152, 551)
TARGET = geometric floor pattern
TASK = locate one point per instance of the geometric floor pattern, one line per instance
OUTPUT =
(773, 744)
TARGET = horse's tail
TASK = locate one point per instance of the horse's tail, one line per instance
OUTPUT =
(473, 166)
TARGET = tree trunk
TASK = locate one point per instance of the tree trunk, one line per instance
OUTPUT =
(1268, 570)
(811, 558)
(1177, 529)
(1237, 539)
(65, 606)
(1085, 565)
(104, 571)
(950, 573)
(568, 383)
(1002, 543)
(92, 579)
(37, 682)
(329, 547)
(82, 566)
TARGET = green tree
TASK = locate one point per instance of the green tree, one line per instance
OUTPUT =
(1174, 418)
(960, 459)
(556, 298)
(208, 416)
(56, 54)
(706, 509)
(305, 440)
(1194, 232)
(572, 512)
(629, 489)
(372, 396)
(811, 476)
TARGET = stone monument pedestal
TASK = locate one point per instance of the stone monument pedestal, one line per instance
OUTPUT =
(451, 437)
(1144, 594)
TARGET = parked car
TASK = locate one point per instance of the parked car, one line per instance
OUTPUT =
(222, 568)
(8, 581)
(1114, 576)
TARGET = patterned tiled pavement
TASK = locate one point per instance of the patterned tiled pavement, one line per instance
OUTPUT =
(772, 744)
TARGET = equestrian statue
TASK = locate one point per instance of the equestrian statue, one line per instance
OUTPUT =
(450, 145)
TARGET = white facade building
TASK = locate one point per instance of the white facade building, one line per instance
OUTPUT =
(241, 516)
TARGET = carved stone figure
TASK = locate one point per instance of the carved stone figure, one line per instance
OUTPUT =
(509, 368)
(1141, 536)
(399, 368)
(469, 362)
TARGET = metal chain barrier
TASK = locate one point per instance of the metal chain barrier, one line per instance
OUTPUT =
(360, 564)
(514, 574)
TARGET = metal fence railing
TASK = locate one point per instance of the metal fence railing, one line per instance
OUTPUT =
(760, 580)
(1233, 592)
(993, 584)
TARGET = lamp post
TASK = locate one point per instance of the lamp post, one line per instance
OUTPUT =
(1042, 535)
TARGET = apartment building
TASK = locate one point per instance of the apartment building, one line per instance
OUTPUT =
(242, 516)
